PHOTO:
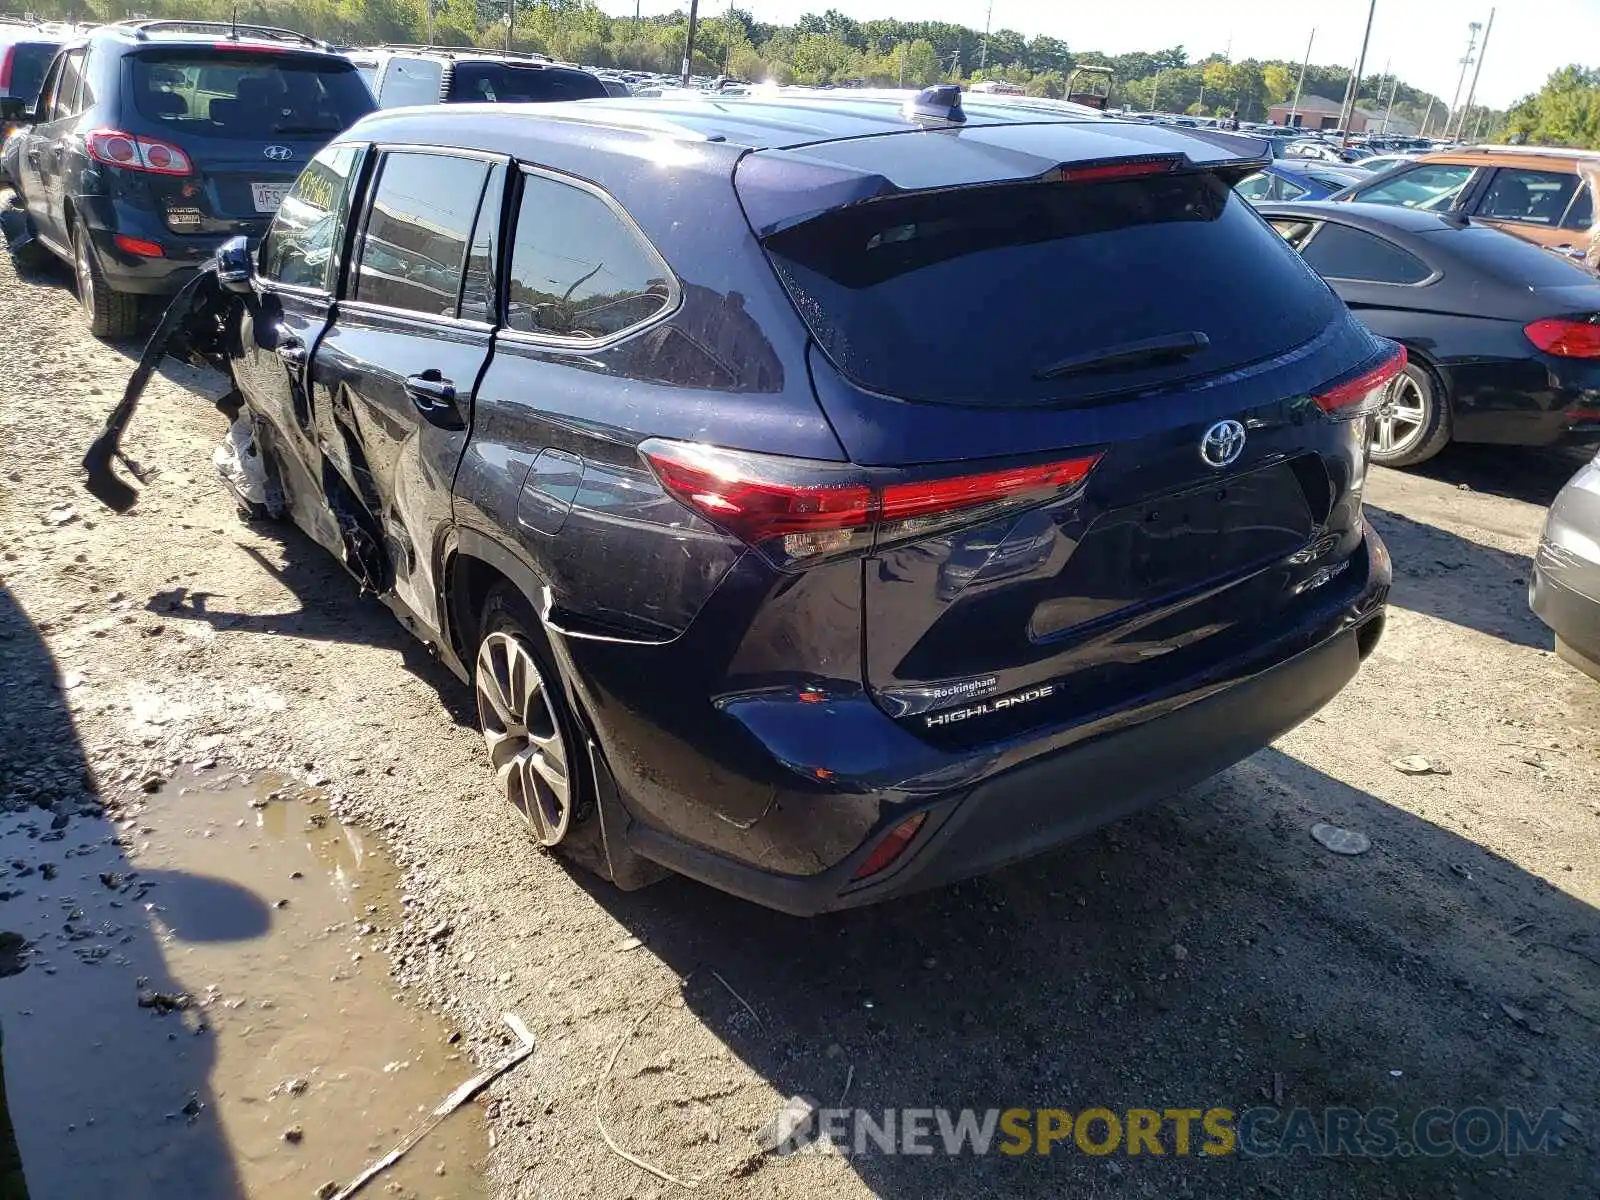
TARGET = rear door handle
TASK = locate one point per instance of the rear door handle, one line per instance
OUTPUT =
(434, 397)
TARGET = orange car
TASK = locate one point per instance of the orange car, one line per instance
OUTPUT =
(1542, 194)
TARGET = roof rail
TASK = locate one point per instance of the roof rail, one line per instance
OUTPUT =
(452, 51)
(142, 27)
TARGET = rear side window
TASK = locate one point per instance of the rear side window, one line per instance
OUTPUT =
(410, 81)
(578, 268)
(1581, 214)
(1429, 186)
(1339, 252)
(979, 296)
(302, 244)
(29, 62)
(65, 101)
(1528, 197)
(506, 83)
(415, 241)
(240, 94)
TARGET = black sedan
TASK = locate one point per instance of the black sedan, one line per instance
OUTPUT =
(1503, 337)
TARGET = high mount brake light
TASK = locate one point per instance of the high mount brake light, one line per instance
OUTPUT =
(1105, 172)
(118, 149)
(1364, 393)
(800, 511)
(1566, 337)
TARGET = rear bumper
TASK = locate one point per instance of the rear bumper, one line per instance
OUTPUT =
(1052, 799)
(184, 253)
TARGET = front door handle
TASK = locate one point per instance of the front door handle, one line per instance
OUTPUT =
(292, 351)
(434, 397)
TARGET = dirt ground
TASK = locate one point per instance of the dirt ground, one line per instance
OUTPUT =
(1208, 953)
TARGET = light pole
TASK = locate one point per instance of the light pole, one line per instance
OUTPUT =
(1294, 109)
(688, 41)
(1355, 80)
(1472, 91)
(1466, 61)
(988, 19)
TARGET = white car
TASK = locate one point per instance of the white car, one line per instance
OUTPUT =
(1382, 162)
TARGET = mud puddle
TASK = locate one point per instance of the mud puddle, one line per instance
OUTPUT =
(205, 1011)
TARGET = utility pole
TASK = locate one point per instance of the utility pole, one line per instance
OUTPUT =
(1155, 90)
(1466, 61)
(1423, 132)
(1294, 109)
(988, 19)
(1387, 78)
(511, 21)
(1355, 80)
(688, 41)
(1472, 91)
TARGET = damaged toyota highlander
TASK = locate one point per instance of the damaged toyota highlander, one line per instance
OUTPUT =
(785, 547)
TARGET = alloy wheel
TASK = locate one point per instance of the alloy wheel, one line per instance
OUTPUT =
(84, 272)
(529, 756)
(1402, 418)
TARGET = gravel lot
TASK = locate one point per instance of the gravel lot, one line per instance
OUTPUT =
(1207, 953)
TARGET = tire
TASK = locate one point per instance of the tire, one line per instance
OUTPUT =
(535, 744)
(110, 314)
(1414, 423)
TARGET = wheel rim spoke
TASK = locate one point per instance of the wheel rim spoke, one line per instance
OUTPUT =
(524, 742)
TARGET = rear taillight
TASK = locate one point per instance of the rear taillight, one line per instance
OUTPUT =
(1364, 393)
(894, 844)
(118, 149)
(7, 56)
(799, 510)
(1567, 337)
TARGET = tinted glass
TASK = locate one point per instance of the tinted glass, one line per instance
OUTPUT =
(411, 81)
(1431, 187)
(1293, 231)
(1581, 214)
(301, 246)
(578, 270)
(416, 237)
(962, 297)
(29, 62)
(1339, 252)
(1528, 197)
(231, 93)
(478, 290)
(64, 103)
(1511, 259)
(509, 83)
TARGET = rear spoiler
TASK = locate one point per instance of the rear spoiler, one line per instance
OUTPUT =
(782, 188)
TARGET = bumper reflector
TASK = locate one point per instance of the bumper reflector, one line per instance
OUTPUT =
(891, 847)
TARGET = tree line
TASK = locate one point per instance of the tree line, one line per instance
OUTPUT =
(832, 48)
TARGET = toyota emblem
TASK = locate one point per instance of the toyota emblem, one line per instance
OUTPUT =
(1222, 444)
(278, 153)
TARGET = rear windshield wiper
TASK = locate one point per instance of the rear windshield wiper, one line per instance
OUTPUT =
(1147, 352)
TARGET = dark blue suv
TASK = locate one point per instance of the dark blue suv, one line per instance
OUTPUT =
(826, 498)
(152, 142)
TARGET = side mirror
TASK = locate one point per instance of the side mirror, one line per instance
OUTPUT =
(234, 265)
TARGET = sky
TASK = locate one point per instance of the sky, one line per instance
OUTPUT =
(1424, 39)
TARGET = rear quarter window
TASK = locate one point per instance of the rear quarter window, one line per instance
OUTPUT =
(1340, 252)
(231, 93)
(964, 297)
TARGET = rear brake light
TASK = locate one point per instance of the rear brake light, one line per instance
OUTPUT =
(799, 510)
(892, 847)
(139, 246)
(118, 149)
(1365, 392)
(6, 57)
(250, 47)
(1103, 172)
(1566, 337)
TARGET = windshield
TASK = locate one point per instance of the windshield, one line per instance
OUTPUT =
(508, 83)
(29, 62)
(978, 296)
(245, 94)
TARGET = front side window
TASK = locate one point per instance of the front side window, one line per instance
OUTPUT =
(415, 242)
(1528, 197)
(578, 269)
(301, 246)
(1339, 252)
(1428, 186)
(410, 81)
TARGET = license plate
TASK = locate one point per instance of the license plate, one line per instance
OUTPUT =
(269, 195)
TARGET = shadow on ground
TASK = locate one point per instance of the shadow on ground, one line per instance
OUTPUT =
(1205, 954)
(1458, 580)
(1533, 474)
(104, 1104)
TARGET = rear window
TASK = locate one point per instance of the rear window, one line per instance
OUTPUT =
(231, 93)
(970, 296)
(29, 62)
(1510, 259)
(507, 83)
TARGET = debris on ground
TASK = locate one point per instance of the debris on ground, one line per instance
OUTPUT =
(1416, 764)
(165, 1002)
(1520, 1017)
(788, 1129)
(1340, 841)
